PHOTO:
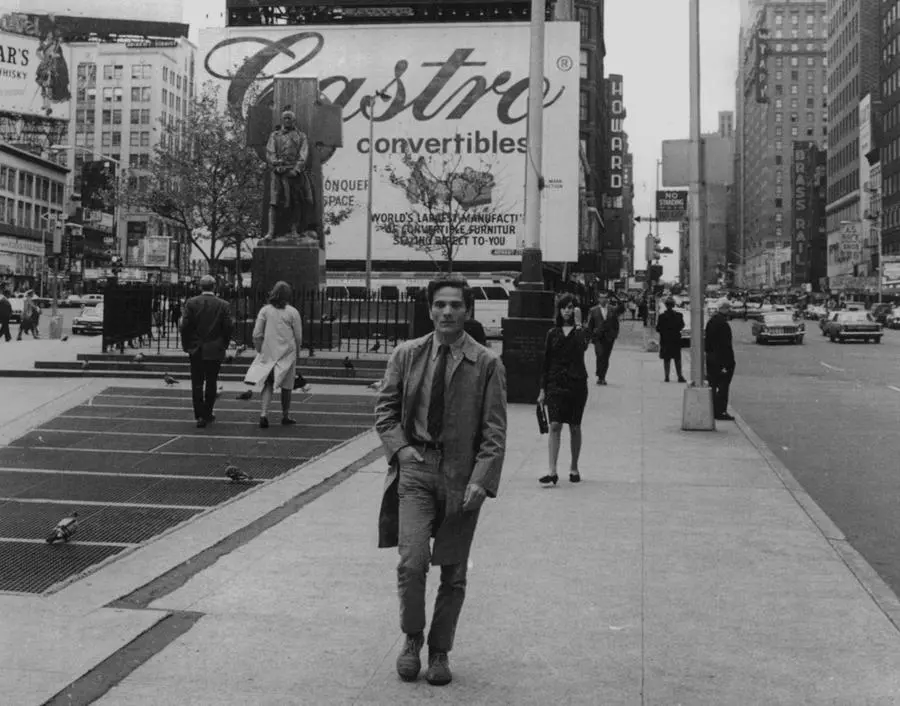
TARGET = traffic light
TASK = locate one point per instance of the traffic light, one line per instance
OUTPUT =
(654, 274)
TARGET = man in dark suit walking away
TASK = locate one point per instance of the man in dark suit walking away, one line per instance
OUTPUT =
(720, 360)
(206, 329)
(669, 326)
(603, 329)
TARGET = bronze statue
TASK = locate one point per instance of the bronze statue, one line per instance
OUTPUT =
(287, 153)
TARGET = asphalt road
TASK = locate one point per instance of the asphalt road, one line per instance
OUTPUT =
(831, 413)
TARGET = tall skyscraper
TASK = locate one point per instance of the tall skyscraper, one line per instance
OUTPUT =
(854, 55)
(890, 122)
(781, 98)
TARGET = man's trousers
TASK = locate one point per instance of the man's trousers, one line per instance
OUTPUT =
(423, 497)
(204, 381)
(603, 350)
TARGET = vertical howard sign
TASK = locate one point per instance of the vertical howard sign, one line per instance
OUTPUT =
(615, 101)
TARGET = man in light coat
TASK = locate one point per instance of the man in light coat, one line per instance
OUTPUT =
(441, 416)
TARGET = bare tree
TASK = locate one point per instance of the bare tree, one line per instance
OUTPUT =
(203, 176)
(450, 207)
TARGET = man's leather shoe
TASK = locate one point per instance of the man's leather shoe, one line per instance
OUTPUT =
(408, 662)
(201, 423)
(438, 673)
(681, 379)
(725, 417)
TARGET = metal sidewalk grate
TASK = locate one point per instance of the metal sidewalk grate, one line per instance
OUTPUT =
(34, 568)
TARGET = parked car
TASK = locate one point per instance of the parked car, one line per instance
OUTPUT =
(18, 306)
(848, 325)
(893, 319)
(89, 321)
(778, 326)
(880, 312)
(76, 300)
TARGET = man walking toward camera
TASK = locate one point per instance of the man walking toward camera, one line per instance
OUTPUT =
(720, 362)
(5, 314)
(206, 329)
(441, 416)
(603, 329)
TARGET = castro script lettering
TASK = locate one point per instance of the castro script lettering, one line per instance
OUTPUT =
(467, 90)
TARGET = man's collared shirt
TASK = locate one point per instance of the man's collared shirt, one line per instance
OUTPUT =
(420, 420)
(603, 312)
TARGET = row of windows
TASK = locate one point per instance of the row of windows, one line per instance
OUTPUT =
(843, 186)
(795, 103)
(849, 33)
(30, 185)
(795, 61)
(795, 33)
(847, 156)
(795, 75)
(795, 117)
(890, 17)
(892, 117)
(848, 125)
(795, 131)
(795, 89)
(847, 66)
(794, 47)
(810, 16)
(174, 102)
(848, 96)
(890, 49)
(26, 215)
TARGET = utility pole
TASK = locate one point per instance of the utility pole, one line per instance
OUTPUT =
(697, 410)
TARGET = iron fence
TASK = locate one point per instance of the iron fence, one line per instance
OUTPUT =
(350, 325)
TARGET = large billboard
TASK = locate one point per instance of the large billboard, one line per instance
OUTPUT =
(35, 74)
(450, 151)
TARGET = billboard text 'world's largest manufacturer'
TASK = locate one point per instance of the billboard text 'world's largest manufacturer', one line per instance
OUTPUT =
(452, 132)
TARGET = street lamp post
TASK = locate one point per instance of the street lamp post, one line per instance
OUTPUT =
(370, 106)
(697, 410)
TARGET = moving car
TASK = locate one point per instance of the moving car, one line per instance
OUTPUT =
(893, 319)
(880, 312)
(89, 321)
(778, 326)
(847, 325)
(76, 300)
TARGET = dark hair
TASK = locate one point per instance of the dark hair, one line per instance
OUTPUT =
(562, 303)
(280, 295)
(456, 283)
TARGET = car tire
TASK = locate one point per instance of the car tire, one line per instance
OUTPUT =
(832, 338)
(759, 341)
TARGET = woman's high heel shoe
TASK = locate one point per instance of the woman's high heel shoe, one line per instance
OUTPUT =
(574, 477)
(547, 479)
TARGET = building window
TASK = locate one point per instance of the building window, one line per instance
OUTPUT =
(779, 190)
(794, 89)
(117, 94)
(135, 92)
(778, 159)
(778, 131)
(779, 117)
(810, 75)
(810, 131)
(794, 117)
(779, 176)
(107, 72)
(117, 72)
(145, 94)
(810, 61)
(778, 103)
(779, 75)
(134, 138)
(107, 95)
(795, 131)
(584, 19)
(779, 19)
(779, 203)
(145, 116)
(795, 61)
(779, 90)
(135, 71)
(165, 94)
(810, 102)
(145, 139)
(584, 64)
(144, 160)
(107, 117)
(117, 116)
(779, 218)
(585, 113)
(166, 70)
(117, 139)
(779, 61)
(106, 139)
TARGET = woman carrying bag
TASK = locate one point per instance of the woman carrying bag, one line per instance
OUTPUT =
(564, 387)
(278, 338)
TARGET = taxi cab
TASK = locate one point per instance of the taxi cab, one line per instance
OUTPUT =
(778, 326)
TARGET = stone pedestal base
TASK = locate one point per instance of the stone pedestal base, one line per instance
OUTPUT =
(300, 264)
(56, 326)
(697, 409)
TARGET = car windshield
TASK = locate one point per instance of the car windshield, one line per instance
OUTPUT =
(779, 318)
(854, 317)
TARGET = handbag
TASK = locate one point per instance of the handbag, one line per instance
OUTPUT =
(542, 419)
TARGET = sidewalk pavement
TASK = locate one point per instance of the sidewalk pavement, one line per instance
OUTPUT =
(686, 568)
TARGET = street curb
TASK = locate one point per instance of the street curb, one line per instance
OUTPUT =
(886, 600)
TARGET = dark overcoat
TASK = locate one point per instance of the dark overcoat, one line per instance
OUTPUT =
(474, 434)
(669, 327)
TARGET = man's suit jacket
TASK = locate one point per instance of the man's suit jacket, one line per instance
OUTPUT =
(474, 434)
(206, 326)
(603, 329)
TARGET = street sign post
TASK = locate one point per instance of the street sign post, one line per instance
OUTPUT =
(671, 206)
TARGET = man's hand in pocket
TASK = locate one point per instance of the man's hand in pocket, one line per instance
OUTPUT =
(409, 454)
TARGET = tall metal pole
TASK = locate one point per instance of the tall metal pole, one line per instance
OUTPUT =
(369, 195)
(697, 216)
(742, 116)
(532, 269)
(880, 272)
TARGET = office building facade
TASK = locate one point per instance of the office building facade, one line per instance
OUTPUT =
(781, 98)
(889, 136)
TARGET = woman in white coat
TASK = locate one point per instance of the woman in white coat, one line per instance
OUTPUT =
(278, 338)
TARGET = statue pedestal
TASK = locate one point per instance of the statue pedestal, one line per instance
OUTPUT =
(531, 315)
(300, 264)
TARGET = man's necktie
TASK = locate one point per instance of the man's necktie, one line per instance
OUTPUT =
(436, 405)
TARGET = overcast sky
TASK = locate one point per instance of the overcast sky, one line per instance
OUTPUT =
(647, 42)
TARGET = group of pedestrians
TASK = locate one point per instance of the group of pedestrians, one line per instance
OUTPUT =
(31, 316)
(207, 326)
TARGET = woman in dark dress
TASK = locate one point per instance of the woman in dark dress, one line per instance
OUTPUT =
(564, 386)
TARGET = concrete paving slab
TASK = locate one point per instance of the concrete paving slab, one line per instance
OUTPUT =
(665, 469)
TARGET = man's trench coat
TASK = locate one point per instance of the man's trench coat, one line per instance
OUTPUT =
(474, 437)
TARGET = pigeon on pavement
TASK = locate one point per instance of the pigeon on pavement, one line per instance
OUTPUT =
(64, 339)
(236, 475)
(85, 365)
(245, 395)
(64, 529)
(169, 380)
